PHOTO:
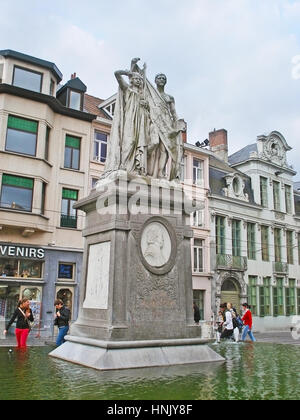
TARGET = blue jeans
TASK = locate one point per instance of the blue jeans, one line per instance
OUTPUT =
(62, 331)
(248, 331)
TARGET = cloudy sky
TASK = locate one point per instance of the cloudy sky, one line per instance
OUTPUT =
(232, 64)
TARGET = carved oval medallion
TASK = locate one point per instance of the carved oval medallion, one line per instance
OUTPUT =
(158, 246)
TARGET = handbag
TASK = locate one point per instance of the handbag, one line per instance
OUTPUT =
(30, 323)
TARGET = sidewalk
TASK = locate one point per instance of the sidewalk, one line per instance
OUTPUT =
(32, 341)
(275, 337)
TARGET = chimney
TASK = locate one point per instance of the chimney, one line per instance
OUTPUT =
(184, 131)
(73, 76)
(218, 144)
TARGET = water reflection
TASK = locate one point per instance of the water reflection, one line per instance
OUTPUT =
(251, 371)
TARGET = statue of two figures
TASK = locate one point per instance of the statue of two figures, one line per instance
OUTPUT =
(146, 132)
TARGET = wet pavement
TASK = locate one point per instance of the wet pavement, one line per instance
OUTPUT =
(275, 337)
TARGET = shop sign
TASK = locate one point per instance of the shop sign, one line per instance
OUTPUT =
(21, 252)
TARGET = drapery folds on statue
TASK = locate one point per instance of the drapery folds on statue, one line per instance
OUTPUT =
(145, 133)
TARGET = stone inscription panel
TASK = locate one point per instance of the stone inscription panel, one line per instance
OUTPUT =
(97, 277)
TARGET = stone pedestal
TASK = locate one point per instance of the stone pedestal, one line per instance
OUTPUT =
(136, 287)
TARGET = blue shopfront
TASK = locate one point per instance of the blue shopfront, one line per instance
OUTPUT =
(42, 274)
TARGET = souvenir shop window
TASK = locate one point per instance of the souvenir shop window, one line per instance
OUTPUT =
(10, 267)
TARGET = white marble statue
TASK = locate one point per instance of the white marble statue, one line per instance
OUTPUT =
(146, 131)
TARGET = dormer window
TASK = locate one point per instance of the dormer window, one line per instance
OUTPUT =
(27, 79)
(75, 100)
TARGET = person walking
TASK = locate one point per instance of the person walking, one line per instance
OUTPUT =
(228, 330)
(62, 318)
(196, 313)
(24, 316)
(247, 320)
(236, 332)
(219, 322)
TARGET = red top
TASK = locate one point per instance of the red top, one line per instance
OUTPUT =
(247, 318)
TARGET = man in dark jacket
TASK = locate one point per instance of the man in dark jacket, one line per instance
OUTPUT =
(62, 318)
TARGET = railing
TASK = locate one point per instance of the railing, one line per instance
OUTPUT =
(228, 261)
(280, 267)
(68, 221)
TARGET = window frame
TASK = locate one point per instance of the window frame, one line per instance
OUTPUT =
(66, 279)
(69, 209)
(198, 252)
(22, 131)
(70, 91)
(251, 241)
(197, 170)
(72, 148)
(100, 143)
(220, 235)
(20, 187)
(263, 184)
(28, 71)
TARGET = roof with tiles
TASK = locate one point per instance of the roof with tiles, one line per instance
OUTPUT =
(91, 104)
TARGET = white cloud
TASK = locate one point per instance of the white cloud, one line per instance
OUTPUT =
(229, 63)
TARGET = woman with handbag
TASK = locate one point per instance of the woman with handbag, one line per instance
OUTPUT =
(24, 316)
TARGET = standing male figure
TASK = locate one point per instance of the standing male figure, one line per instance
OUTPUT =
(62, 318)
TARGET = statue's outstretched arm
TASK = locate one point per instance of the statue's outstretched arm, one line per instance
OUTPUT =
(119, 73)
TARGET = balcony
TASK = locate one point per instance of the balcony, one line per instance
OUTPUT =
(68, 221)
(280, 267)
(230, 262)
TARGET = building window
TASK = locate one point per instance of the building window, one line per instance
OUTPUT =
(27, 79)
(252, 294)
(43, 197)
(288, 199)
(264, 297)
(276, 195)
(75, 100)
(277, 244)
(236, 238)
(198, 255)
(94, 182)
(278, 307)
(265, 243)
(198, 299)
(263, 191)
(182, 168)
(289, 247)
(197, 218)
(298, 301)
(251, 246)
(220, 235)
(197, 172)
(72, 152)
(66, 271)
(10, 267)
(21, 135)
(68, 214)
(16, 192)
(47, 139)
(100, 147)
(51, 89)
(290, 298)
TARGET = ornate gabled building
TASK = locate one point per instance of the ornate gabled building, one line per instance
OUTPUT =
(256, 230)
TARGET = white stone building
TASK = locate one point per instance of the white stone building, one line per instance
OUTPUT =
(256, 230)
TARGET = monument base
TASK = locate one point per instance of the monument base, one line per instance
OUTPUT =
(116, 355)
